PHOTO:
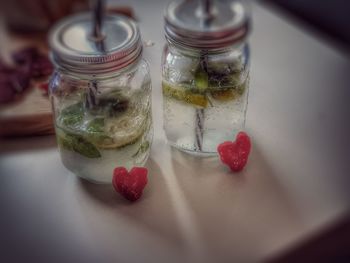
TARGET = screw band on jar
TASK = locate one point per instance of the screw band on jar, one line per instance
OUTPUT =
(193, 32)
(73, 49)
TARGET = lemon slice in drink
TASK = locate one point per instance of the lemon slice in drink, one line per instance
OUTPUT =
(224, 95)
(228, 94)
(181, 94)
(111, 131)
(125, 129)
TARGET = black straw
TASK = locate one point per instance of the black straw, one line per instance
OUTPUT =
(199, 121)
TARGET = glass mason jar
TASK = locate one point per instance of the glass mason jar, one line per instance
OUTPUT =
(205, 70)
(101, 97)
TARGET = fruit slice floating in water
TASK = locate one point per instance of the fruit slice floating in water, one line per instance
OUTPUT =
(224, 95)
(201, 80)
(228, 94)
(105, 133)
(181, 94)
(219, 86)
(95, 133)
(127, 128)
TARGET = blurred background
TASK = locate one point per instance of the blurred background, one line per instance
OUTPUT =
(328, 19)
(324, 27)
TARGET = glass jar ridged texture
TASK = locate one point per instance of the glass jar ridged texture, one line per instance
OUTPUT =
(102, 121)
(205, 73)
(101, 97)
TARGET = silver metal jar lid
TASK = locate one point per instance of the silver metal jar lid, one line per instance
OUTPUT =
(192, 23)
(74, 48)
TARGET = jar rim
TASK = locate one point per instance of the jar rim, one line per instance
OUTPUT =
(73, 48)
(186, 25)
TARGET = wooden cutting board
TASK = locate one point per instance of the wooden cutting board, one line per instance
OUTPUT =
(31, 113)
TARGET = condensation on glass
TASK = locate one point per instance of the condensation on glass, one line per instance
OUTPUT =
(205, 71)
(101, 96)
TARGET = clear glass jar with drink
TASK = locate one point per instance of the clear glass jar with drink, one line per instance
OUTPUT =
(205, 70)
(101, 96)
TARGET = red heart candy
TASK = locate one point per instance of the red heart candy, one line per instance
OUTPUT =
(235, 154)
(130, 184)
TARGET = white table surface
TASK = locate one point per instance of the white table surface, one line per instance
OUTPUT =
(195, 210)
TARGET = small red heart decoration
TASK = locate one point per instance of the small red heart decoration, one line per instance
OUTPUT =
(235, 154)
(130, 184)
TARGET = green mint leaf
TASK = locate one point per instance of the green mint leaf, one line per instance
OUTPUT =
(85, 148)
(96, 125)
(72, 115)
(77, 144)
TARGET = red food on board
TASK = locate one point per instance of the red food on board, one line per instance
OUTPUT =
(235, 154)
(44, 87)
(4, 69)
(29, 64)
(130, 184)
(7, 93)
(2, 66)
(41, 67)
(32, 62)
(25, 55)
(20, 80)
